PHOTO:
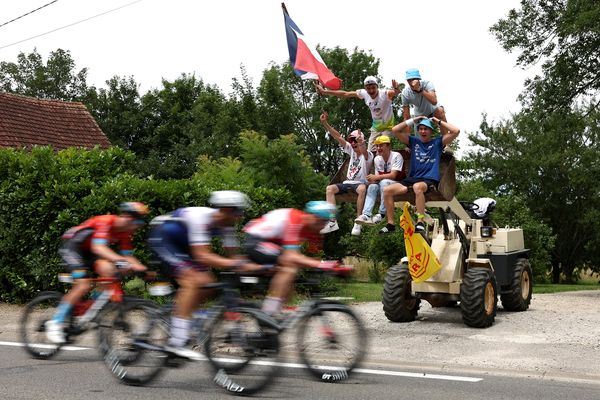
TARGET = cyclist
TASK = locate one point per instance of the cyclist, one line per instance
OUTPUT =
(182, 242)
(86, 249)
(276, 239)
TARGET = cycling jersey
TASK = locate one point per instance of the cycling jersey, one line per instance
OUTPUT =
(284, 226)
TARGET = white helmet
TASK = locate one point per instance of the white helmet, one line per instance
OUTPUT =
(229, 198)
(370, 80)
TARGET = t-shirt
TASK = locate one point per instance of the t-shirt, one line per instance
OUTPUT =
(359, 167)
(284, 226)
(381, 109)
(484, 203)
(395, 162)
(198, 221)
(422, 105)
(425, 158)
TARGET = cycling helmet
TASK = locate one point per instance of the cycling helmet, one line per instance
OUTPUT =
(321, 209)
(229, 199)
(134, 208)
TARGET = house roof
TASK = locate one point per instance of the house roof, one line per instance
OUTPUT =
(27, 121)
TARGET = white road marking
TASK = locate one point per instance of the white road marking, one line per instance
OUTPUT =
(420, 375)
(45, 346)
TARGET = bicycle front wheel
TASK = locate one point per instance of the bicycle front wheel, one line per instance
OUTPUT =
(242, 351)
(332, 341)
(134, 340)
(33, 325)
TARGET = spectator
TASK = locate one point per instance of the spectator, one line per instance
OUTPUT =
(388, 170)
(421, 94)
(378, 101)
(356, 178)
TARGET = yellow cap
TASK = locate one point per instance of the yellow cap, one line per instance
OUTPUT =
(382, 139)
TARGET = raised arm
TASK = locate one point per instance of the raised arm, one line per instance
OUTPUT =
(337, 93)
(331, 130)
(451, 131)
(397, 88)
(402, 130)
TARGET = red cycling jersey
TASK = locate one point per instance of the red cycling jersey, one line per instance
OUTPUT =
(104, 233)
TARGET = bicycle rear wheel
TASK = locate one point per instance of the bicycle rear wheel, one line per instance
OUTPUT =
(33, 325)
(242, 351)
(134, 342)
(332, 341)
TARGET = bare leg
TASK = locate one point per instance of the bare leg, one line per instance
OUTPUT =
(330, 193)
(190, 293)
(360, 202)
(420, 188)
(388, 199)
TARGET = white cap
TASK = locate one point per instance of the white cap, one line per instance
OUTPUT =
(370, 80)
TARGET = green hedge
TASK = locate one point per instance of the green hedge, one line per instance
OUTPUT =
(43, 193)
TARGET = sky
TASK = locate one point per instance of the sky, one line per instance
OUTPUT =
(448, 41)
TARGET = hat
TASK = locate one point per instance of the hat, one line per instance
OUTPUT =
(426, 122)
(356, 134)
(370, 80)
(412, 73)
(382, 140)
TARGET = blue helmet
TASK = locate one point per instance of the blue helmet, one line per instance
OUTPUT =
(321, 209)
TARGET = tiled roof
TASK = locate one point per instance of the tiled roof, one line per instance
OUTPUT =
(27, 121)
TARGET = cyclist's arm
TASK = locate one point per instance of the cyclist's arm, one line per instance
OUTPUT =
(205, 256)
(100, 248)
(295, 257)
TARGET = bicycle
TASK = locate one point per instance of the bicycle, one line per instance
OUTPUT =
(105, 313)
(145, 357)
(331, 339)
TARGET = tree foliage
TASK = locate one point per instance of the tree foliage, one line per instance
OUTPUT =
(562, 35)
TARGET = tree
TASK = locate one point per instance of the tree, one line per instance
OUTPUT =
(56, 80)
(564, 35)
(551, 162)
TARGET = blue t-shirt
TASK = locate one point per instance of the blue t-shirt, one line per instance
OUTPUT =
(425, 158)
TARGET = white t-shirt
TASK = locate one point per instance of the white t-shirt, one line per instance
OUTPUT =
(484, 203)
(394, 163)
(198, 221)
(381, 109)
(358, 168)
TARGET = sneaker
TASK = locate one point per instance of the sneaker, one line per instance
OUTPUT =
(389, 228)
(331, 226)
(184, 352)
(377, 218)
(363, 220)
(356, 230)
(55, 331)
(420, 227)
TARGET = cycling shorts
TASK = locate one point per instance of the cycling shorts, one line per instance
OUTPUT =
(261, 251)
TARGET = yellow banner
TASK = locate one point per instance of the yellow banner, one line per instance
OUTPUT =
(422, 262)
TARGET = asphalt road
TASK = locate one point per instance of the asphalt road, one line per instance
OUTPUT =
(79, 374)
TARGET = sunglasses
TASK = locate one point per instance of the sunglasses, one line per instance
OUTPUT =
(352, 140)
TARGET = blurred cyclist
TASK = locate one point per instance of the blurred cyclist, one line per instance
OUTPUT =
(182, 242)
(86, 249)
(276, 239)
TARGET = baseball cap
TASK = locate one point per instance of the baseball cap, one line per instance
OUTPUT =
(356, 134)
(413, 73)
(382, 140)
(426, 122)
(370, 80)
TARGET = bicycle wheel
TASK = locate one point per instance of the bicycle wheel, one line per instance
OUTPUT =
(332, 341)
(134, 341)
(242, 351)
(33, 328)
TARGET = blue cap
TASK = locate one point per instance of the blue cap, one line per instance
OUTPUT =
(321, 209)
(426, 122)
(413, 73)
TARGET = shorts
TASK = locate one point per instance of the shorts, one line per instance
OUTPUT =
(348, 187)
(169, 244)
(77, 260)
(261, 251)
(410, 181)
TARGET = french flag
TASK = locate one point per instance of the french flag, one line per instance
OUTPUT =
(307, 63)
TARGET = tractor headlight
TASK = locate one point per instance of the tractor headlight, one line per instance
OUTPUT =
(487, 231)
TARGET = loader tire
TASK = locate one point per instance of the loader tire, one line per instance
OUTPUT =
(478, 297)
(518, 294)
(399, 305)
